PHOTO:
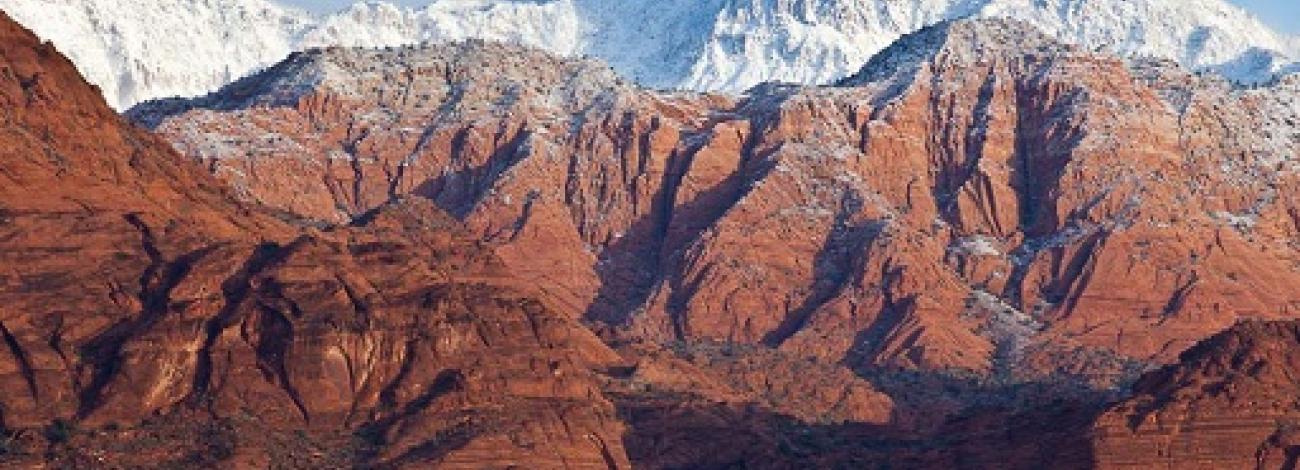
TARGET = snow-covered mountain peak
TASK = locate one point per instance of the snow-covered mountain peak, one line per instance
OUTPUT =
(143, 49)
(547, 24)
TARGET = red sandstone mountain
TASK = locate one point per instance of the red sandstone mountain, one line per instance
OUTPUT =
(978, 198)
(978, 216)
(149, 320)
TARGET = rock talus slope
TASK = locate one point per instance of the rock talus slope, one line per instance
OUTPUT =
(979, 197)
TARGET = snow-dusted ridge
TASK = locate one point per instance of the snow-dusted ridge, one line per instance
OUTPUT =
(137, 50)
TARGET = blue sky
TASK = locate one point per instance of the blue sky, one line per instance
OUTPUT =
(1281, 14)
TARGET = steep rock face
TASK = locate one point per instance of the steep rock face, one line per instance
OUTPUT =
(979, 197)
(149, 319)
(1230, 402)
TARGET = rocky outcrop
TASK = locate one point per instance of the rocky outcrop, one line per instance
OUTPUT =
(979, 197)
(1230, 402)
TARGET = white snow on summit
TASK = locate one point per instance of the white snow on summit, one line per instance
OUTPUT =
(143, 49)
(136, 50)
